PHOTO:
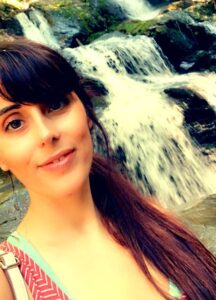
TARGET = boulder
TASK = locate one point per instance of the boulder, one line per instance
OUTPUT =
(159, 2)
(199, 116)
(180, 37)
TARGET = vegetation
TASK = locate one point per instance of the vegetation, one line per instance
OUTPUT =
(7, 11)
(134, 27)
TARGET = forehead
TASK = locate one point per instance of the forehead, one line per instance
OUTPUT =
(5, 102)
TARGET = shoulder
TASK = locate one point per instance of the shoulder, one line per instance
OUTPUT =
(5, 290)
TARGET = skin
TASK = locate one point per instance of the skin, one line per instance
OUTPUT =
(61, 204)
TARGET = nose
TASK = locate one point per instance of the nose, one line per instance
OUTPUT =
(46, 130)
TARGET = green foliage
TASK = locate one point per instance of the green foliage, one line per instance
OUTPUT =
(134, 27)
(66, 8)
(95, 36)
(131, 27)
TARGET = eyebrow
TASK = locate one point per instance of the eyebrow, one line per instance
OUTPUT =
(8, 108)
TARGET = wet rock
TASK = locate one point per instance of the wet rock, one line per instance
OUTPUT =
(64, 29)
(199, 116)
(79, 38)
(200, 61)
(180, 37)
(74, 23)
(109, 10)
(9, 25)
(159, 2)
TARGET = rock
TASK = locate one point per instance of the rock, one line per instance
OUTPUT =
(7, 11)
(11, 27)
(200, 216)
(179, 36)
(65, 18)
(202, 10)
(200, 61)
(12, 210)
(201, 211)
(159, 2)
(79, 38)
(65, 29)
(74, 22)
(199, 116)
(8, 25)
(20, 5)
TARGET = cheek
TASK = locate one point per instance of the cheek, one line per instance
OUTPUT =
(86, 143)
(79, 128)
(18, 157)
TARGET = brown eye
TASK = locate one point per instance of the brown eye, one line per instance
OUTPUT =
(13, 125)
(58, 105)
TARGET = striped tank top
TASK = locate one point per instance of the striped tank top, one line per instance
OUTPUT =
(40, 278)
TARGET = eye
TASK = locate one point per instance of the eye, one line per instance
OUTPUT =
(58, 105)
(14, 125)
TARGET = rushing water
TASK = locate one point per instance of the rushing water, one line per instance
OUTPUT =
(35, 27)
(160, 155)
(145, 126)
(137, 9)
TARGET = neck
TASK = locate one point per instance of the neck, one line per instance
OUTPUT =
(50, 219)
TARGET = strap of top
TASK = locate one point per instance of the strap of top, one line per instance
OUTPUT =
(9, 264)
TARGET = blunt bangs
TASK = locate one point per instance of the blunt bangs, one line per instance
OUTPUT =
(31, 73)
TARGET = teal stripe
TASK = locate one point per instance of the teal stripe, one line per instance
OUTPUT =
(174, 291)
(20, 242)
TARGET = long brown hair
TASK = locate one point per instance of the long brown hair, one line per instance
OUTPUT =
(33, 73)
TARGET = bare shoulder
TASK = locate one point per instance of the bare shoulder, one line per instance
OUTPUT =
(5, 290)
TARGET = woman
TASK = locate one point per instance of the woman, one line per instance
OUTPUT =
(87, 232)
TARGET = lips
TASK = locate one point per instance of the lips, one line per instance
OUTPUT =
(57, 157)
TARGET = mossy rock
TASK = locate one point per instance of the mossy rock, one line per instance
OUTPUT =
(202, 12)
(7, 12)
(66, 8)
(134, 27)
(91, 18)
(129, 27)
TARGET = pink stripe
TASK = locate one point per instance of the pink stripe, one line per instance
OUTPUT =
(40, 284)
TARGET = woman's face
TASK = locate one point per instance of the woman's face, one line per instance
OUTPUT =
(30, 135)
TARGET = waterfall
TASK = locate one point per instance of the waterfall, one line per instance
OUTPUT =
(137, 9)
(143, 124)
(35, 27)
(211, 26)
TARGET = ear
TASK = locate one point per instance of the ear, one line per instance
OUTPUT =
(4, 167)
(90, 123)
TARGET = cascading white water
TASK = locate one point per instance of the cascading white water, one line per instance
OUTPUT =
(137, 9)
(211, 26)
(36, 27)
(203, 83)
(140, 120)
(161, 157)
